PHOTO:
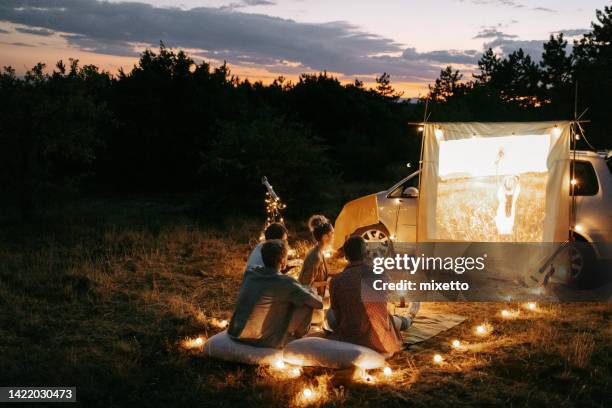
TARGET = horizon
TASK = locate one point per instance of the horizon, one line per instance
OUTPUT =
(264, 39)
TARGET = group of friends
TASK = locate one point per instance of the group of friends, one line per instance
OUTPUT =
(274, 308)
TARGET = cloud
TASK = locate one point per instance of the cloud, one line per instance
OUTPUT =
(544, 9)
(573, 32)
(464, 57)
(492, 32)
(507, 3)
(533, 48)
(248, 3)
(35, 31)
(241, 38)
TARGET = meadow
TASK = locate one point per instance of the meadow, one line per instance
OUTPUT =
(467, 207)
(103, 295)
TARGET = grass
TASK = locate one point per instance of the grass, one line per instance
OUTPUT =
(467, 207)
(103, 298)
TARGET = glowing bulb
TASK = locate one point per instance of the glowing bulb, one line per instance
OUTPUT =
(456, 343)
(420, 128)
(198, 342)
(577, 137)
(223, 324)
(556, 131)
(437, 358)
(573, 182)
(532, 306)
(481, 330)
(439, 134)
(296, 372)
(387, 371)
(327, 254)
(505, 313)
(578, 228)
(307, 393)
(280, 364)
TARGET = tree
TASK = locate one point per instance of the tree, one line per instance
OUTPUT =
(50, 129)
(447, 85)
(384, 87)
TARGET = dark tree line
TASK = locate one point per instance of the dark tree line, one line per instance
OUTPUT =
(173, 126)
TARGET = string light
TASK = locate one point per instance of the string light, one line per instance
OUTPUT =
(189, 344)
(223, 324)
(531, 306)
(387, 371)
(296, 372)
(279, 364)
(456, 344)
(437, 358)
(509, 314)
(307, 393)
(483, 329)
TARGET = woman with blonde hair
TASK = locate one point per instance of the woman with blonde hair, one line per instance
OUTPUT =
(314, 270)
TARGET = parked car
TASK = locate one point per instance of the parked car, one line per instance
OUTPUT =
(394, 214)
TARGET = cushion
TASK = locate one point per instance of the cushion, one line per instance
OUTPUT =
(320, 352)
(222, 346)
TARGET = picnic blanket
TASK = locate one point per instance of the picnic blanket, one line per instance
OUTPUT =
(429, 324)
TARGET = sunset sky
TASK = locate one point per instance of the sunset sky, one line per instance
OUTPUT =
(262, 39)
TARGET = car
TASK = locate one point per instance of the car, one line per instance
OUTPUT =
(391, 215)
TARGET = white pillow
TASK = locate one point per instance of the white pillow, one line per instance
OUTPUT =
(222, 346)
(320, 352)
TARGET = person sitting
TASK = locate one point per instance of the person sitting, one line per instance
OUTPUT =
(276, 230)
(272, 308)
(358, 313)
(314, 270)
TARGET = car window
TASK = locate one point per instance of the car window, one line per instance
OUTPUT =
(412, 182)
(586, 179)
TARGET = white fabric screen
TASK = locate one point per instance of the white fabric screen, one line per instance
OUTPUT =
(495, 182)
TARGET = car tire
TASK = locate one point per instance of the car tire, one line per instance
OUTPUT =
(582, 272)
(378, 238)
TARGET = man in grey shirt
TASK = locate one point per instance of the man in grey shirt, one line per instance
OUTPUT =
(272, 308)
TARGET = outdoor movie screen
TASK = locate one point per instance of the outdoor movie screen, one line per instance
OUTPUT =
(492, 189)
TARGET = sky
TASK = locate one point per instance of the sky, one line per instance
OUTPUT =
(264, 39)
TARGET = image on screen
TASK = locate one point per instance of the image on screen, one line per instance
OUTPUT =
(492, 189)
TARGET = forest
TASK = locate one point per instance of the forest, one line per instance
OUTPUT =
(171, 126)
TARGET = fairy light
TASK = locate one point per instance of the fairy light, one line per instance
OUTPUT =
(387, 371)
(573, 182)
(483, 329)
(307, 393)
(223, 324)
(456, 344)
(437, 358)
(189, 344)
(295, 372)
(509, 314)
(531, 306)
(556, 131)
(439, 134)
(279, 364)
(273, 206)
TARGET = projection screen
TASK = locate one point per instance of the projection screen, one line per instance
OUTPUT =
(495, 182)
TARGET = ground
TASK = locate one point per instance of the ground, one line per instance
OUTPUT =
(103, 297)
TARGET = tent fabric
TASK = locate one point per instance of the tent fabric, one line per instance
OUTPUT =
(557, 201)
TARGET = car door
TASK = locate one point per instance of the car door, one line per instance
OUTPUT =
(406, 213)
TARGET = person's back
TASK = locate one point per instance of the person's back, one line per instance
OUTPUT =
(358, 312)
(272, 309)
(361, 312)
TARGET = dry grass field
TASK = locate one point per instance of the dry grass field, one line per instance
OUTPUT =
(467, 207)
(103, 298)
